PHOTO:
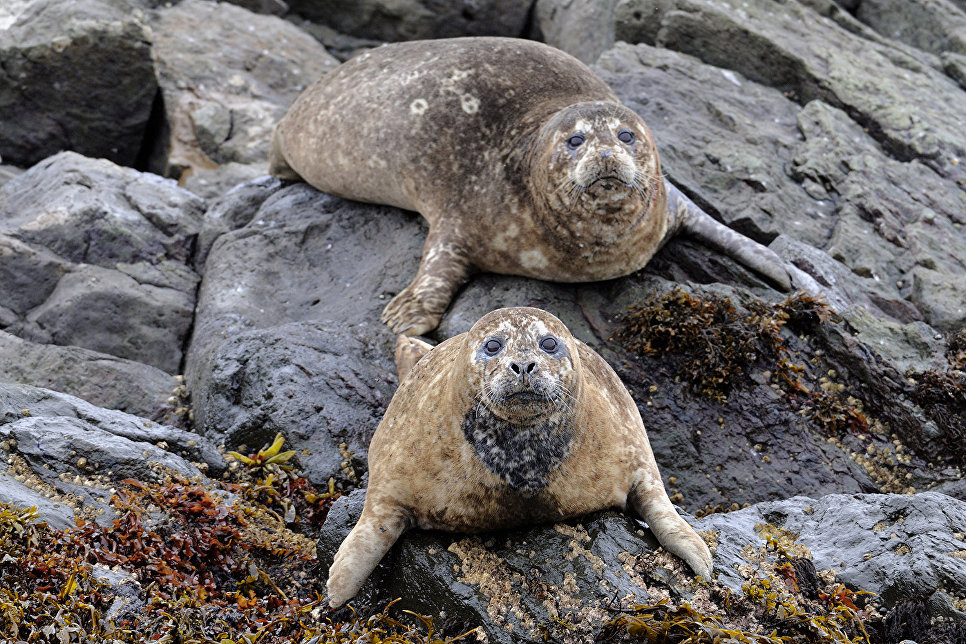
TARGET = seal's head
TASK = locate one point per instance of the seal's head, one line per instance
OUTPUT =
(522, 365)
(596, 161)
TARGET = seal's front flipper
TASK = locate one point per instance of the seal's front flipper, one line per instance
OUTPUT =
(442, 271)
(650, 502)
(691, 220)
(363, 549)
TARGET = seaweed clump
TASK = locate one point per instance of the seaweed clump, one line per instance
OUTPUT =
(942, 397)
(783, 601)
(187, 561)
(713, 346)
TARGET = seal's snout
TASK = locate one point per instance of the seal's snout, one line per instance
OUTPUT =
(605, 153)
(523, 370)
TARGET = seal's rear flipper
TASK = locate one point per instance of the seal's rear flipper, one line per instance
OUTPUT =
(687, 218)
(443, 270)
(408, 352)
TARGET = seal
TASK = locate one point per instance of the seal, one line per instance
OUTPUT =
(522, 160)
(511, 423)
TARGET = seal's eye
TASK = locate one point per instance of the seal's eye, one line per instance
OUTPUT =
(548, 344)
(575, 140)
(492, 346)
(625, 136)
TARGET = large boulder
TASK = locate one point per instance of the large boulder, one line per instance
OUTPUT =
(418, 19)
(96, 255)
(227, 75)
(286, 335)
(74, 76)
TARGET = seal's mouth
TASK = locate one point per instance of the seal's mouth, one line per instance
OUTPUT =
(524, 397)
(609, 182)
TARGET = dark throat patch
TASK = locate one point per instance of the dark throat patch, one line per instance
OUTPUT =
(522, 455)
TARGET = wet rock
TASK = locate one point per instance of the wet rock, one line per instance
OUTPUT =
(515, 584)
(417, 19)
(96, 256)
(16, 493)
(227, 75)
(101, 379)
(74, 76)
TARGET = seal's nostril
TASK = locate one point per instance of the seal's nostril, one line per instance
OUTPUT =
(530, 367)
(605, 153)
(515, 367)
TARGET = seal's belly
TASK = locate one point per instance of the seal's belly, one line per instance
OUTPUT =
(500, 507)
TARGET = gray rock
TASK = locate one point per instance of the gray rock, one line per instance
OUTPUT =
(96, 255)
(101, 379)
(227, 76)
(286, 336)
(324, 387)
(75, 76)
(955, 66)
(907, 105)
(729, 153)
(16, 493)
(338, 44)
(418, 19)
(73, 453)
(8, 172)
(820, 179)
(897, 546)
(15, 399)
(232, 211)
(272, 7)
(582, 28)
(110, 312)
(518, 586)
(933, 25)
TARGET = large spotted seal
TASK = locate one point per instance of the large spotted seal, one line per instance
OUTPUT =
(511, 423)
(521, 159)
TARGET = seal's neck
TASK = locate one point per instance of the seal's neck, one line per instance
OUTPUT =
(523, 455)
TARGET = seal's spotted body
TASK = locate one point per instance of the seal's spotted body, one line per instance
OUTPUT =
(521, 159)
(512, 423)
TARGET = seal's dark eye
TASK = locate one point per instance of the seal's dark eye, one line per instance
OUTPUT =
(625, 136)
(492, 346)
(549, 345)
(575, 140)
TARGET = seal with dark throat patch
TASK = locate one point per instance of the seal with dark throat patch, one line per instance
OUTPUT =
(522, 160)
(511, 423)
